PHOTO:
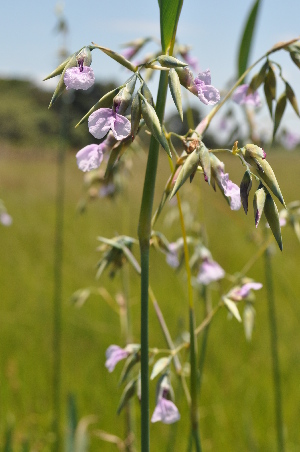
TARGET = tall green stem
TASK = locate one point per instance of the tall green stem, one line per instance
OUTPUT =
(58, 261)
(193, 338)
(202, 356)
(274, 351)
(144, 233)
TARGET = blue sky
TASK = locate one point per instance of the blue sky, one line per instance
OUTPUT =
(212, 28)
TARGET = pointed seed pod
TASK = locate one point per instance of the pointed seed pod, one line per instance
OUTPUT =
(174, 85)
(272, 217)
(245, 188)
(259, 203)
(187, 169)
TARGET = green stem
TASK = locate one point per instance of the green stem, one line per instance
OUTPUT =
(208, 309)
(144, 233)
(274, 351)
(58, 262)
(193, 338)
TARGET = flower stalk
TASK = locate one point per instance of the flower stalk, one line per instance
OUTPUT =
(274, 350)
(193, 339)
(144, 233)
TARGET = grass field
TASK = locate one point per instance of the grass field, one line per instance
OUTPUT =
(236, 406)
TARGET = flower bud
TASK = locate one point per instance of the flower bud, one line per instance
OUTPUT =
(123, 98)
(84, 58)
(251, 150)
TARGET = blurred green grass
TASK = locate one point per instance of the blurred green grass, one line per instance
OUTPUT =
(237, 394)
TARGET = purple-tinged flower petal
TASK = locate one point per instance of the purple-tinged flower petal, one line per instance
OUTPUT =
(191, 60)
(240, 96)
(165, 411)
(231, 190)
(129, 53)
(100, 122)
(5, 219)
(79, 78)
(239, 293)
(208, 94)
(89, 158)
(172, 255)
(121, 128)
(114, 354)
(203, 78)
(290, 140)
(104, 119)
(210, 271)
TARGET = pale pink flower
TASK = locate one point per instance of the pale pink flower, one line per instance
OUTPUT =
(165, 411)
(207, 93)
(105, 119)
(290, 140)
(172, 255)
(114, 354)
(231, 190)
(191, 60)
(81, 77)
(210, 271)
(239, 293)
(90, 157)
(5, 219)
(241, 97)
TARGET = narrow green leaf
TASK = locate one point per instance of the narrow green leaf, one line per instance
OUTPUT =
(105, 102)
(127, 394)
(117, 57)
(270, 89)
(59, 69)
(258, 78)
(160, 366)
(187, 169)
(174, 85)
(169, 16)
(296, 58)
(272, 217)
(61, 84)
(291, 97)
(280, 108)
(232, 308)
(129, 364)
(247, 38)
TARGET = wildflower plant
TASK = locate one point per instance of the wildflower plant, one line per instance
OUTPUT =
(117, 119)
